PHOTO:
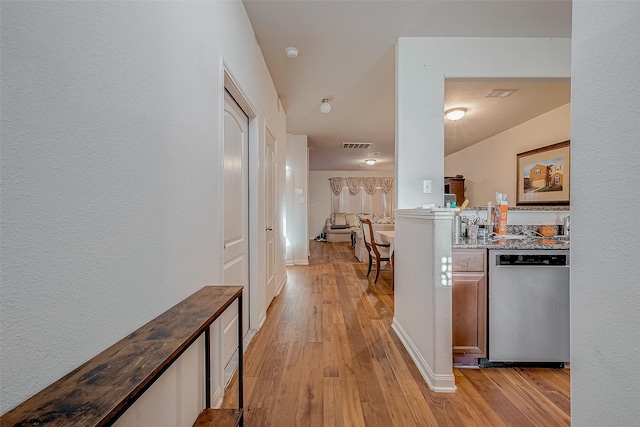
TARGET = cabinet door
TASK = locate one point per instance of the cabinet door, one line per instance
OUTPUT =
(469, 293)
(455, 186)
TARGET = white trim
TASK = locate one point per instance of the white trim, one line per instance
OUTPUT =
(301, 262)
(433, 213)
(230, 84)
(217, 396)
(438, 383)
(263, 318)
(280, 286)
(255, 275)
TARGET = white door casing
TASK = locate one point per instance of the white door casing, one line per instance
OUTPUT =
(270, 215)
(236, 223)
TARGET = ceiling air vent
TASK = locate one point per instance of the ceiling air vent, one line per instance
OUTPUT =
(499, 93)
(356, 145)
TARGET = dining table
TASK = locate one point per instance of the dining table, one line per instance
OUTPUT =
(387, 236)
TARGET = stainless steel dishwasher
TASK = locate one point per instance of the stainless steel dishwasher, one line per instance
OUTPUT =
(528, 306)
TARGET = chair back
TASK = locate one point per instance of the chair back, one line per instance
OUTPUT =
(367, 232)
(370, 237)
(370, 242)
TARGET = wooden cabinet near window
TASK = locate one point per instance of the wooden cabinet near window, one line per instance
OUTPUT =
(469, 301)
(455, 186)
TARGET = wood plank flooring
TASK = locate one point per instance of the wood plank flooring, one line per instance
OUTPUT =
(327, 356)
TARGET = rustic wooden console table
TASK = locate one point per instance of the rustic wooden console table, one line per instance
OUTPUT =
(102, 389)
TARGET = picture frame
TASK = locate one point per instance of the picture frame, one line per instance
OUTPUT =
(544, 175)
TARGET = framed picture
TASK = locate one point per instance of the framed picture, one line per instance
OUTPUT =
(543, 176)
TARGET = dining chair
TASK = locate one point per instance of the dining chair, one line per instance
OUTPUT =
(380, 250)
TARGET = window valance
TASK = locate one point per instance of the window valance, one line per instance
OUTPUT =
(337, 183)
(354, 183)
(378, 197)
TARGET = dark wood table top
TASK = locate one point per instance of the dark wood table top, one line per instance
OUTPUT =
(99, 391)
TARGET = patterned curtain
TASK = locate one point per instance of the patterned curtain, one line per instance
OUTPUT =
(337, 183)
(386, 183)
(374, 200)
(354, 184)
(370, 184)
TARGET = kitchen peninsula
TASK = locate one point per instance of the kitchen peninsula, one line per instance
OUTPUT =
(518, 268)
(424, 274)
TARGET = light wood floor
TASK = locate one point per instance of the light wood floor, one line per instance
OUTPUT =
(327, 356)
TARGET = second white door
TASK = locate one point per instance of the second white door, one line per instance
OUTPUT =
(270, 216)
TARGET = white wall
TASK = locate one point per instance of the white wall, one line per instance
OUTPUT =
(605, 273)
(490, 165)
(297, 193)
(422, 64)
(320, 195)
(422, 274)
(111, 154)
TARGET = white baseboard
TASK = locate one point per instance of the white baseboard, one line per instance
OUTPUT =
(301, 262)
(290, 263)
(263, 318)
(232, 365)
(281, 284)
(217, 397)
(436, 382)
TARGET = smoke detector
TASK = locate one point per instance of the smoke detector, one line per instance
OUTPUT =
(292, 52)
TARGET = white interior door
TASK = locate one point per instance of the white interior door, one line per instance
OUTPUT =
(236, 224)
(270, 215)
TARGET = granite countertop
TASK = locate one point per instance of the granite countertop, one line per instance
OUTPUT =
(525, 208)
(521, 244)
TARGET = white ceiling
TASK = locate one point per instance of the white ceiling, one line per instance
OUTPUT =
(347, 54)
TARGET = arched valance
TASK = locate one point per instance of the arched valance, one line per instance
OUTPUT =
(370, 184)
(386, 183)
(337, 183)
(354, 184)
(377, 198)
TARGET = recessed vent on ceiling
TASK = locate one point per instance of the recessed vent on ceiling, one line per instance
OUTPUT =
(356, 145)
(499, 93)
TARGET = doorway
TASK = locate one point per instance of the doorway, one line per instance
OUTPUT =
(270, 214)
(236, 225)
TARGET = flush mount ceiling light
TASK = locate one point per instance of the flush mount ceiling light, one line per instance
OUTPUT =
(292, 52)
(455, 113)
(370, 162)
(325, 107)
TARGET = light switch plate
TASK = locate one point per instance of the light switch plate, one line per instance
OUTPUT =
(426, 186)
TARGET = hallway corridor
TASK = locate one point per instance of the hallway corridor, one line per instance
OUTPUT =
(327, 356)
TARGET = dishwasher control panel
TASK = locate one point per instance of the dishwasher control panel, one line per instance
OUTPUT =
(531, 259)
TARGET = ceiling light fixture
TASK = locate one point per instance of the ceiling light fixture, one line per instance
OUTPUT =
(455, 113)
(370, 162)
(325, 107)
(292, 52)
